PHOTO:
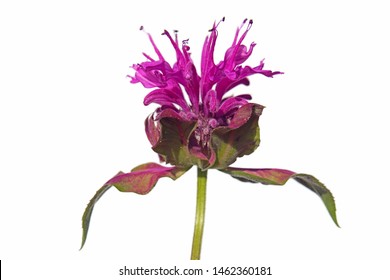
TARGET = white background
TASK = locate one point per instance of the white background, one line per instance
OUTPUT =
(70, 120)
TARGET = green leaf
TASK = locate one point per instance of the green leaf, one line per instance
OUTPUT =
(88, 211)
(272, 176)
(319, 188)
(241, 137)
(140, 180)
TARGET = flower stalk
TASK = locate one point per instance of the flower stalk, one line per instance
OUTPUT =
(200, 214)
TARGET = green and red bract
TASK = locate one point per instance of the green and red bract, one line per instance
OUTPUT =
(198, 124)
(275, 176)
(140, 180)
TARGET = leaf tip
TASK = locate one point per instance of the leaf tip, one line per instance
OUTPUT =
(319, 188)
(88, 212)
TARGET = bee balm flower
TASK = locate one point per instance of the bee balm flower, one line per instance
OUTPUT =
(198, 122)
(212, 129)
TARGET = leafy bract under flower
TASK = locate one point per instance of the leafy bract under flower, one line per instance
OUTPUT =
(195, 132)
(140, 180)
(143, 178)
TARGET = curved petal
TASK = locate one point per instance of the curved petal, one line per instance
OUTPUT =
(226, 84)
(192, 83)
(211, 103)
(237, 53)
(165, 96)
(208, 67)
(140, 180)
(151, 73)
(273, 176)
(185, 71)
(232, 103)
(247, 71)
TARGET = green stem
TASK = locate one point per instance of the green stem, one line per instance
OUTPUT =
(199, 217)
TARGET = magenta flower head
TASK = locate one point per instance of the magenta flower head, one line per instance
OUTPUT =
(199, 122)
(212, 128)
